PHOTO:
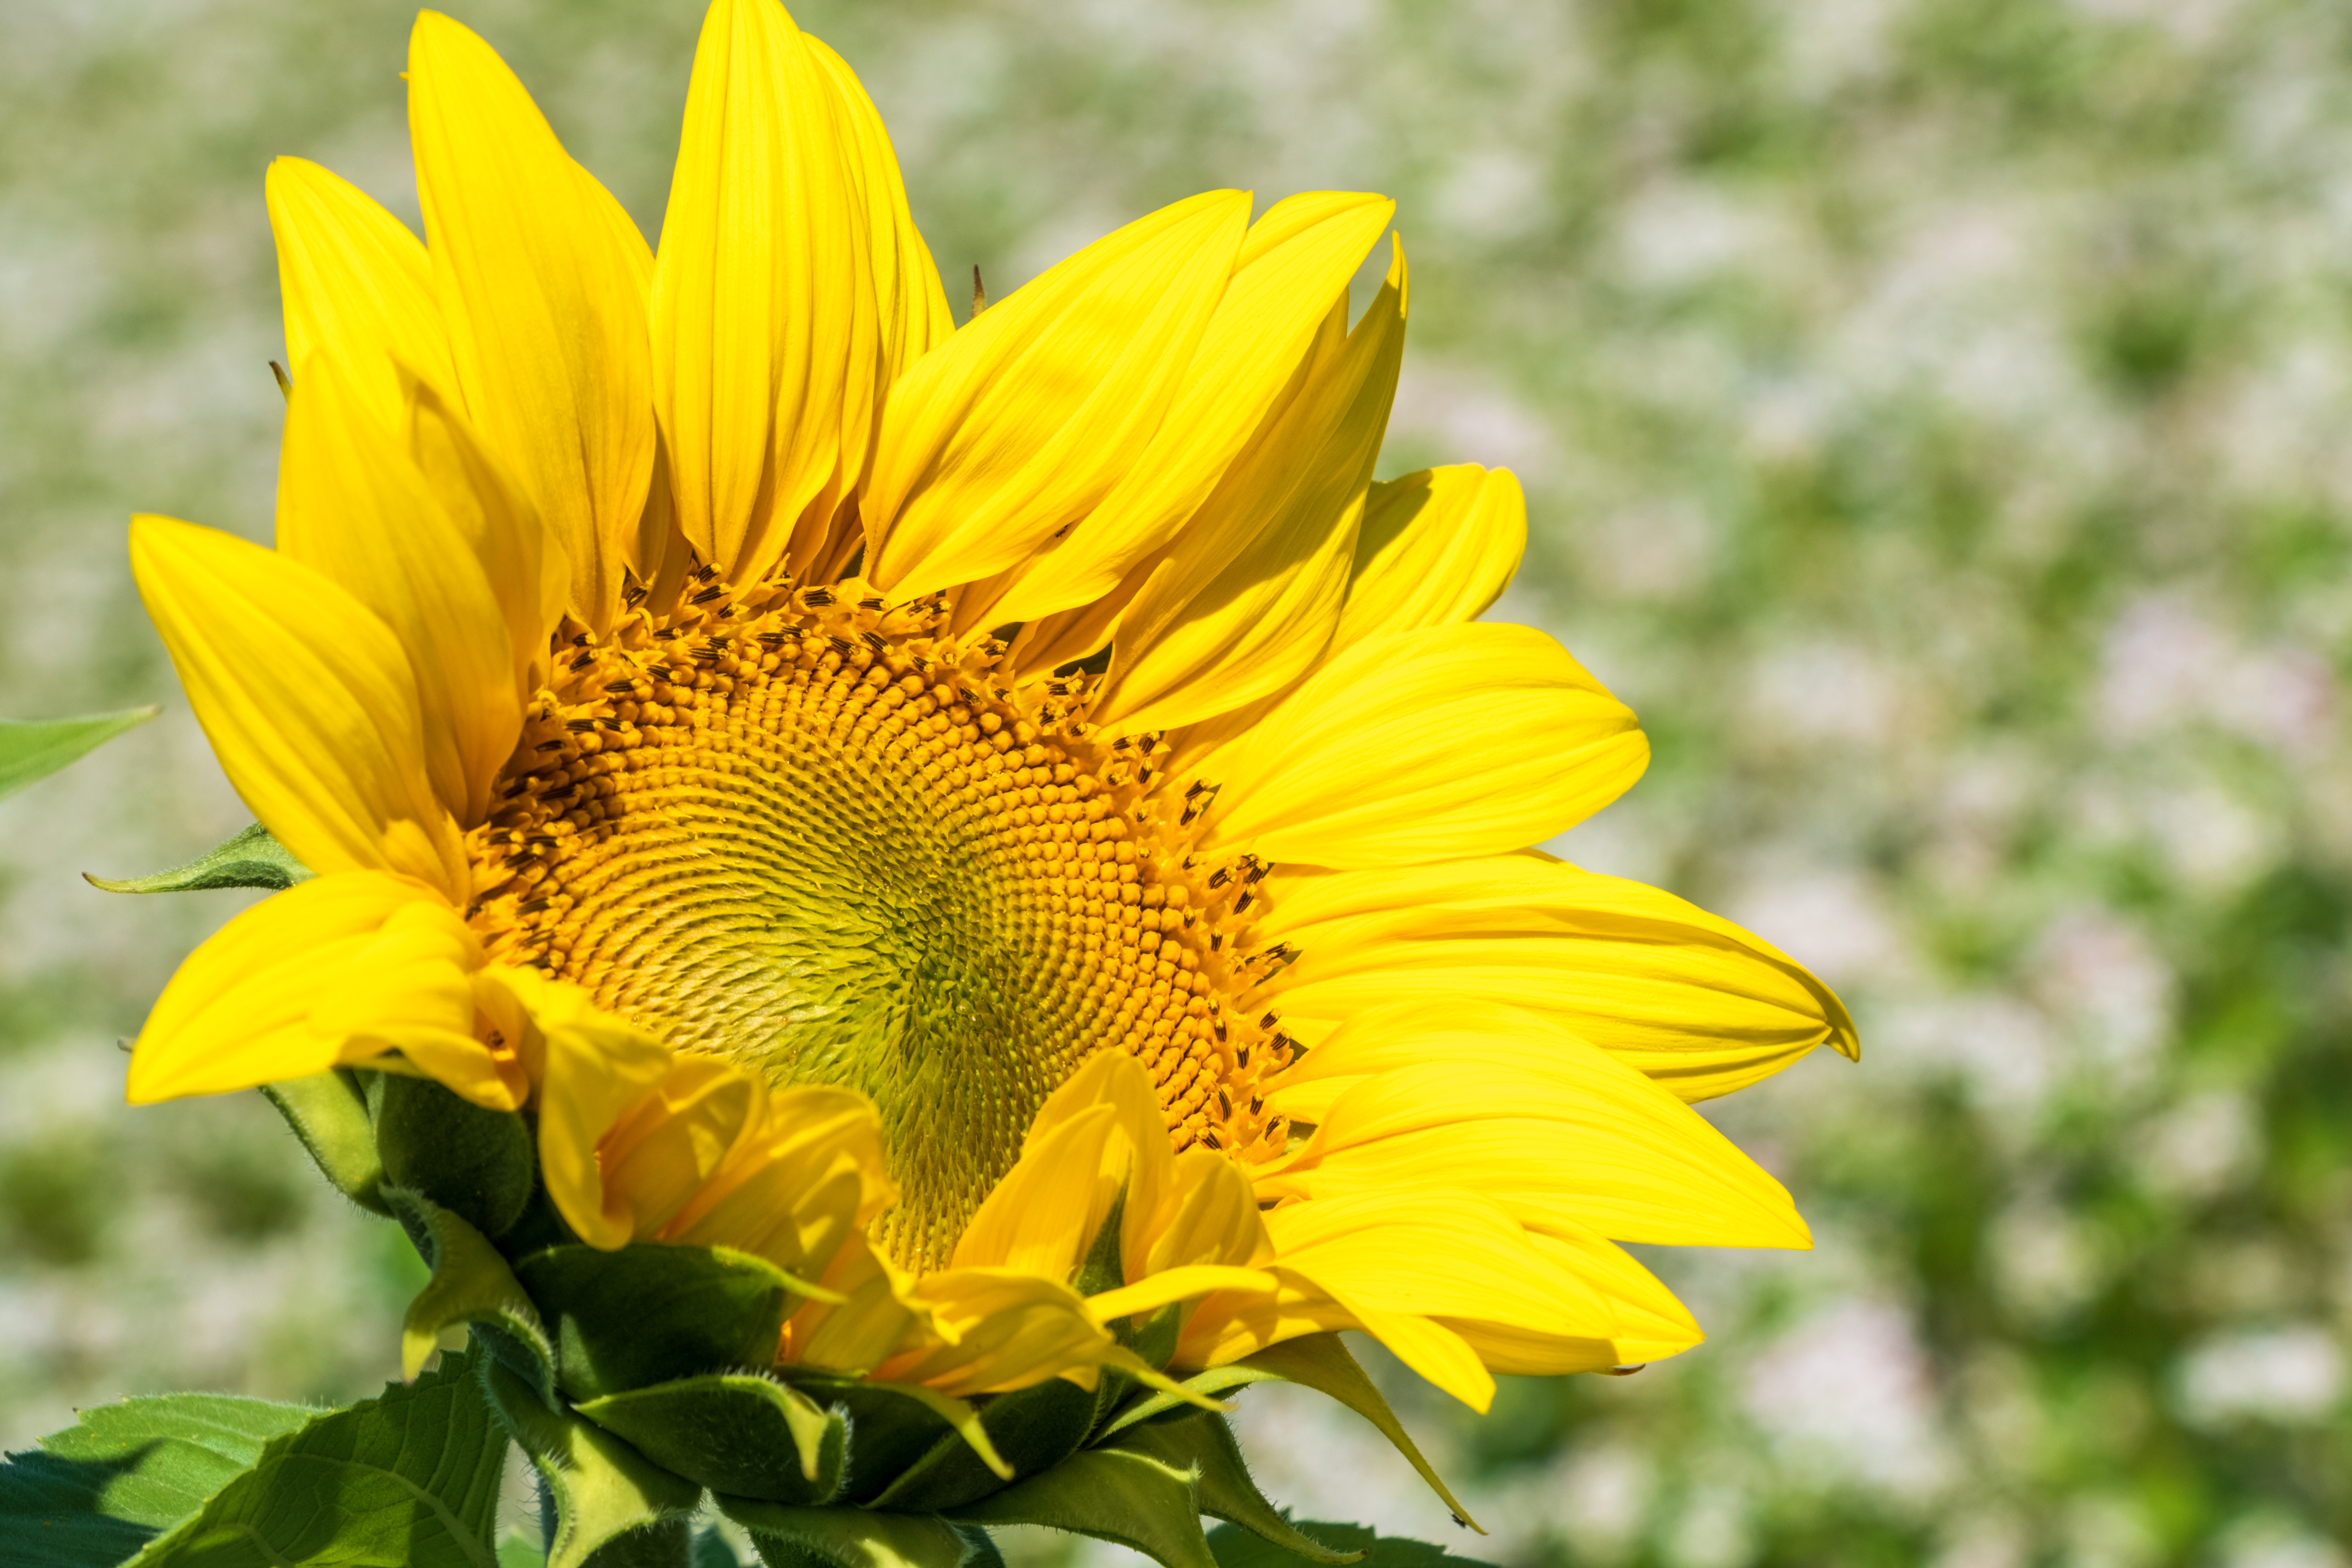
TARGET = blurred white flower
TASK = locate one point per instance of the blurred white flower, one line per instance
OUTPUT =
(2201, 1147)
(1834, 922)
(1460, 409)
(2166, 663)
(1848, 1392)
(1495, 193)
(2270, 1540)
(1983, 1541)
(2100, 973)
(1711, 1530)
(2044, 1264)
(1604, 1497)
(2292, 1376)
(2109, 1530)
(1998, 1047)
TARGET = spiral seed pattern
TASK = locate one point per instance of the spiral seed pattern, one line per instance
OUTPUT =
(788, 829)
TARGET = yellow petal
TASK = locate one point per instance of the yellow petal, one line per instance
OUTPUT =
(305, 980)
(1692, 1001)
(1224, 1328)
(591, 1069)
(1436, 1350)
(1254, 585)
(910, 308)
(528, 570)
(1513, 1352)
(1421, 1270)
(356, 283)
(797, 1190)
(1294, 266)
(1435, 548)
(765, 318)
(670, 1143)
(876, 1316)
(1209, 1217)
(1543, 1122)
(1175, 1285)
(1009, 1329)
(307, 699)
(1651, 1323)
(1433, 1251)
(1099, 1140)
(352, 504)
(913, 306)
(1023, 422)
(542, 283)
(1043, 1216)
(1432, 745)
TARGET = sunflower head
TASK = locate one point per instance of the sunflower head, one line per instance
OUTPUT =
(898, 906)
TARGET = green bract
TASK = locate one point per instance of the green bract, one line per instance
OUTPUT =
(33, 749)
(642, 1385)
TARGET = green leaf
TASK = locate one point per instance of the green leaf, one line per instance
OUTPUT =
(328, 1113)
(853, 1538)
(1320, 1362)
(602, 1488)
(93, 1494)
(471, 1284)
(1205, 1444)
(1237, 1548)
(408, 1480)
(650, 1313)
(1112, 1494)
(478, 1163)
(734, 1432)
(251, 859)
(33, 749)
(1033, 1429)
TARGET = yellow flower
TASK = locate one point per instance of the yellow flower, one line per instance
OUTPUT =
(889, 795)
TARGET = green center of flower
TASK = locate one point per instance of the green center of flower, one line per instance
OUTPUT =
(816, 840)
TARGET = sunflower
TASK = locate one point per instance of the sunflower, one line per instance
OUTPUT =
(910, 801)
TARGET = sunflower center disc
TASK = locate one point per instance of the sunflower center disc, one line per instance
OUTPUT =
(796, 839)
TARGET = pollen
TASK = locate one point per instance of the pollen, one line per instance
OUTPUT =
(805, 832)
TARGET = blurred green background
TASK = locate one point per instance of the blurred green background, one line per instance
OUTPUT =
(1934, 416)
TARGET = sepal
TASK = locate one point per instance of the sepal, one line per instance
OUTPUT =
(853, 1538)
(1032, 1430)
(601, 1489)
(1236, 1548)
(1321, 1362)
(893, 1424)
(1132, 1499)
(33, 749)
(471, 1285)
(653, 1313)
(473, 1162)
(1205, 1445)
(253, 858)
(1161, 1404)
(735, 1433)
(327, 1112)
